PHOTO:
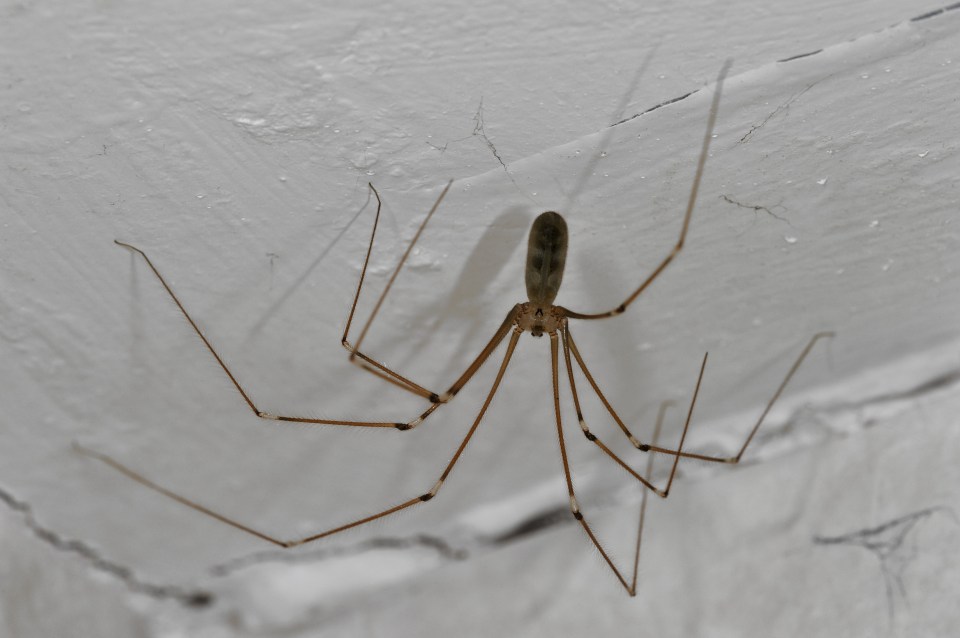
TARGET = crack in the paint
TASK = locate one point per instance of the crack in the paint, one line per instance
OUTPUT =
(446, 145)
(440, 546)
(478, 131)
(654, 108)
(757, 209)
(190, 598)
(936, 12)
(800, 55)
(783, 108)
(886, 542)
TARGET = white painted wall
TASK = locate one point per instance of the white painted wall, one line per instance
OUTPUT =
(233, 142)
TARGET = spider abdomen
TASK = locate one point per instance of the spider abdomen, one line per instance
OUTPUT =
(546, 256)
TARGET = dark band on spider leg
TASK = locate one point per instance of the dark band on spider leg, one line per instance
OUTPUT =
(575, 508)
(436, 488)
(573, 388)
(583, 424)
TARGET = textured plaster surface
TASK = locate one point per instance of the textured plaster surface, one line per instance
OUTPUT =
(233, 142)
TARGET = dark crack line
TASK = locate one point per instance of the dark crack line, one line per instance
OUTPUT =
(479, 131)
(886, 542)
(871, 538)
(757, 209)
(446, 145)
(191, 598)
(936, 12)
(800, 55)
(654, 108)
(783, 108)
(440, 546)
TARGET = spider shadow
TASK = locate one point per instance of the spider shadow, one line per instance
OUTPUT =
(275, 307)
(463, 305)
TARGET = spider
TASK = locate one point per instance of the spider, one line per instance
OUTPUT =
(546, 256)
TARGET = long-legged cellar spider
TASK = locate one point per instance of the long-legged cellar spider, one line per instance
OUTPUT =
(547, 248)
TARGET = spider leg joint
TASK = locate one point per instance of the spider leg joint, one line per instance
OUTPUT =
(433, 492)
(575, 508)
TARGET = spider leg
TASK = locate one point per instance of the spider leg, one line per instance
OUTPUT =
(631, 587)
(139, 478)
(711, 120)
(570, 345)
(471, 369)
(643, 447)
(593, 438)
(381, 370)
(643, 500)
(464, 378)
(356, 356)
(763, 415)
